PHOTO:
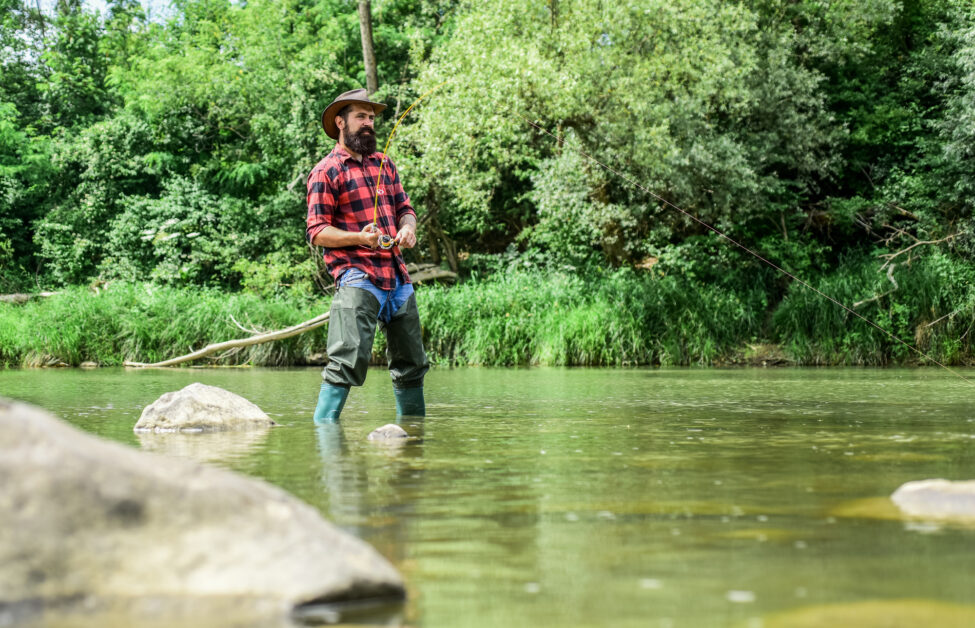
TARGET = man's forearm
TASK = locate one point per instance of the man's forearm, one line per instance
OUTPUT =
(334, 238)
(407, 219)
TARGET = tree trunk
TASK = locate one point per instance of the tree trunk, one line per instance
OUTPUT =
(368, 56)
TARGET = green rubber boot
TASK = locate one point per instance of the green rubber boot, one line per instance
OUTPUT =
(331, 399)
(409, 401)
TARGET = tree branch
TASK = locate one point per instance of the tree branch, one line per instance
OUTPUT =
(270, 336)
(890, 257)
(24, 298)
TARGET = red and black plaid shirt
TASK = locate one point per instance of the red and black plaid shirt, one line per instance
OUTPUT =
(341, 193)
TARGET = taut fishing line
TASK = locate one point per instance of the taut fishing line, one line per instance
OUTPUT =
(805, 284)
(561, 141)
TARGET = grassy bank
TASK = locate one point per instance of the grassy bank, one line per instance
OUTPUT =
(620, 318)
(148, 323)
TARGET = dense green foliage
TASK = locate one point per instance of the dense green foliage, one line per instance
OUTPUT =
(936, 317)
(836, 139)
(508, 320)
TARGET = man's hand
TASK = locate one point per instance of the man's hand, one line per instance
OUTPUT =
(406, 236)
(370, 236)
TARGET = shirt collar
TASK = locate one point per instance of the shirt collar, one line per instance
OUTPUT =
(344, 155)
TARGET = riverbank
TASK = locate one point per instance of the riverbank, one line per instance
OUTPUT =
(619, 319)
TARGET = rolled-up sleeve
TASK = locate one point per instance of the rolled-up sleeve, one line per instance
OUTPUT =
(401, 202)
(321, 203)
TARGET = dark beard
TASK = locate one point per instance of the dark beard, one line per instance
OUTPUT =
(363, 142)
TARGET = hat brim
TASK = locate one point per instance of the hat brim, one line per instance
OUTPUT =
(328, 116)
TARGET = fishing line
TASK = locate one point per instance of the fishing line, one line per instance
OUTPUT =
(619, 174)
(385, 241)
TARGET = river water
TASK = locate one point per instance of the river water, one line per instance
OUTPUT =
(607, 497)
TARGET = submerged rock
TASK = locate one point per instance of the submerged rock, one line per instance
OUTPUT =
(214, 447)
(103, 524)
(390, 431)
(938, 499)
(903, 613)
(202, 408)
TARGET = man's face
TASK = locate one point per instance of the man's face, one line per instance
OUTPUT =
(356, 129)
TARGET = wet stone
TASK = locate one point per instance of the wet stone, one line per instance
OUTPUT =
(389, 431)
(94, 522)
(202, 408)
(938, 499)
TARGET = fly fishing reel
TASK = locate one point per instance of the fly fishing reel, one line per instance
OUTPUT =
(386, 241)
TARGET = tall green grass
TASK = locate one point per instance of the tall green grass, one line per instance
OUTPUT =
(618, 318)
(931, 308)
(621, 318)
(146, 323)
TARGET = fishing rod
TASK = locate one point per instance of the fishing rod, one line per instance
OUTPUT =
(385, 240)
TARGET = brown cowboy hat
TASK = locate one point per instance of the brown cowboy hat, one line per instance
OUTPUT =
(360, 96)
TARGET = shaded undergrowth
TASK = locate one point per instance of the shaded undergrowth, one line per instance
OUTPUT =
(928, 304)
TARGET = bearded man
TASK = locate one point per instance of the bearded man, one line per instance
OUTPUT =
(362, 252)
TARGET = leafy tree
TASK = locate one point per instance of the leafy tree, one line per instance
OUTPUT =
(74, 91)
(704, 103)
(809, 130)
(24, 168)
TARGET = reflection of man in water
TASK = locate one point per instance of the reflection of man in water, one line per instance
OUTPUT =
(369, 488)
(374, 285)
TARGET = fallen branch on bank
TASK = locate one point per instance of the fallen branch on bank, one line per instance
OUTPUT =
(24, 298)
(233, 345)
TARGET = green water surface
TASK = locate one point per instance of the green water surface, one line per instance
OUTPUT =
(601, 497)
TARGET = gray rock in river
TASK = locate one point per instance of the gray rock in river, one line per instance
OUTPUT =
(938, 499)
(390, 431)
(94, 522)
(202, 408)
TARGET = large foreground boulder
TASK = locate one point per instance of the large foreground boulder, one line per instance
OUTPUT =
(94, 522)
(937, 499)
(202, 408)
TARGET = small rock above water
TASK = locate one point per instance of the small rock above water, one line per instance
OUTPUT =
(202, 408)
(939, 499)
(390, 431)
(94, 521)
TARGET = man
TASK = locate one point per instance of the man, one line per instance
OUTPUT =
(362, 254)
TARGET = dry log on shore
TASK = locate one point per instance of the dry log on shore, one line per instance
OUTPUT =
(430, 272)
(256, 339)
(24, 298)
